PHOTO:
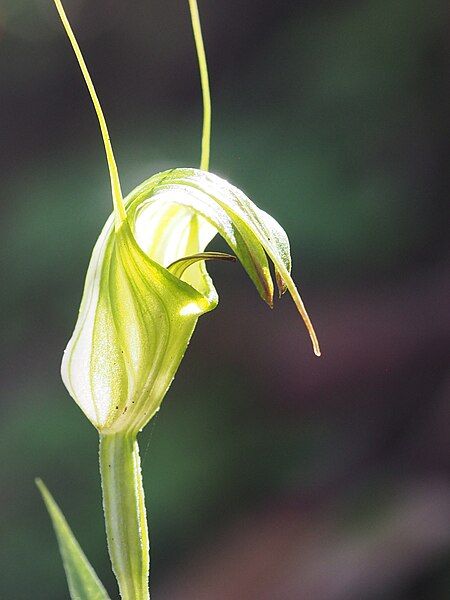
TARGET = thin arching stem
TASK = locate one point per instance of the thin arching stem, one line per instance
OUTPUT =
(206, 135)
(119, 208)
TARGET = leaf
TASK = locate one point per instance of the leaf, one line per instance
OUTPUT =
(81, 578)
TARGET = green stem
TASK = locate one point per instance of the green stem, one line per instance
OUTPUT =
(200, 47)
(125, 516)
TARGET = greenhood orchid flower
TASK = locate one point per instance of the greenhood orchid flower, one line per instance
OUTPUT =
(146, 286)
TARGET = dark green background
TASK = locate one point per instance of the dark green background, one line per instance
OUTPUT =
(269, 474)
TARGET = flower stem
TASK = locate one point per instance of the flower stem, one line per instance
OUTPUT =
(125, 515)
(200, 47)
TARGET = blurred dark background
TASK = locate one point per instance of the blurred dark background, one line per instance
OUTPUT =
(269, 474)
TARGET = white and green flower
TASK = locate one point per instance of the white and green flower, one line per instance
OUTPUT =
(147, 284)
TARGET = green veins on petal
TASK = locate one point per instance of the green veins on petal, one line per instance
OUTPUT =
(147, 284)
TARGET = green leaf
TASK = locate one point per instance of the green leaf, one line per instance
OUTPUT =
(81, 578)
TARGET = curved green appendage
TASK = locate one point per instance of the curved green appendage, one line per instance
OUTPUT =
(179, 266)
(204, 79)
(81, 578)
(116, 189)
